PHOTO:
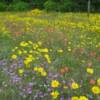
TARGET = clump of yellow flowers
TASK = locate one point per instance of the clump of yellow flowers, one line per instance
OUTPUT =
(30, 52)
(34, 56)
(24, 44)
(79, 98)
(47, 58)
(40, 70)
(75, 98)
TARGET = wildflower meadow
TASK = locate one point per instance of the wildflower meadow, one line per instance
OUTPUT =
(49, 56)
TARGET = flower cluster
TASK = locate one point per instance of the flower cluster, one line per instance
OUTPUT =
(60, 22)
(30, 65)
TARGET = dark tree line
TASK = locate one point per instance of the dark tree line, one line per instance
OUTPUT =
(55, 5)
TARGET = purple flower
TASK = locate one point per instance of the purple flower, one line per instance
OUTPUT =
(33, 79)
(16, 79)
(41, 94)
(62, 98)
(29, 91)
(49, 89)
(30, 84)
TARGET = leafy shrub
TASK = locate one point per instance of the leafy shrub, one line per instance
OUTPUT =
(3, 6)
(36, 12)
(38, 3)
(69, 6)
(19, 6)
(66, 5)
(51, 5)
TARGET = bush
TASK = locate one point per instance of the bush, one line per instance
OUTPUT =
(51, 5)
(66, 5)
(19, 6)
(38, 3)
(3, 6)
(36, 12)
(69, 6)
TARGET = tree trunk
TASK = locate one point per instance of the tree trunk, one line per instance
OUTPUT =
(89, 7)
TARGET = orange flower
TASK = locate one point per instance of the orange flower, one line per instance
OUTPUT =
(62, 71)
(92, 81)
(81, 50)
(92, 53)
(67, 69)
(98, 57)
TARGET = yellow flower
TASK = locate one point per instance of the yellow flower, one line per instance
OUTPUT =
(95, 89)
(14, 56)
(98, 44)
(15, 49)
(75, 98)
(40, 69)
(27, 61)
(45, 50)
(35, 68)
(69, 49)
(43, 73)
(59, 50)
(30, 56)
(75, 85)
(51, 50)
(55, 94)
(30, 42)
(31, 51)
(20, 71)
(23, 44)
(55, 83)
(98, 81)
(83, 98)
(25, 52)
(90, 70)
(65, 86)
(35, 46)
(39, 43)
(19, 52)
(47, 58)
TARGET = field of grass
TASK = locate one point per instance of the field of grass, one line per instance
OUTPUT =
(49, 56)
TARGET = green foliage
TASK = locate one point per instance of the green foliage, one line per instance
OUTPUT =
(19, 6)
(38, 3)
(66, 5)
(69, 5)
(50, 5)
(3, 6)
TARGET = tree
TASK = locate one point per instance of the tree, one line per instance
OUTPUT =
(89, 7)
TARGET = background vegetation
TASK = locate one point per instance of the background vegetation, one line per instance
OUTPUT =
(49, 5)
